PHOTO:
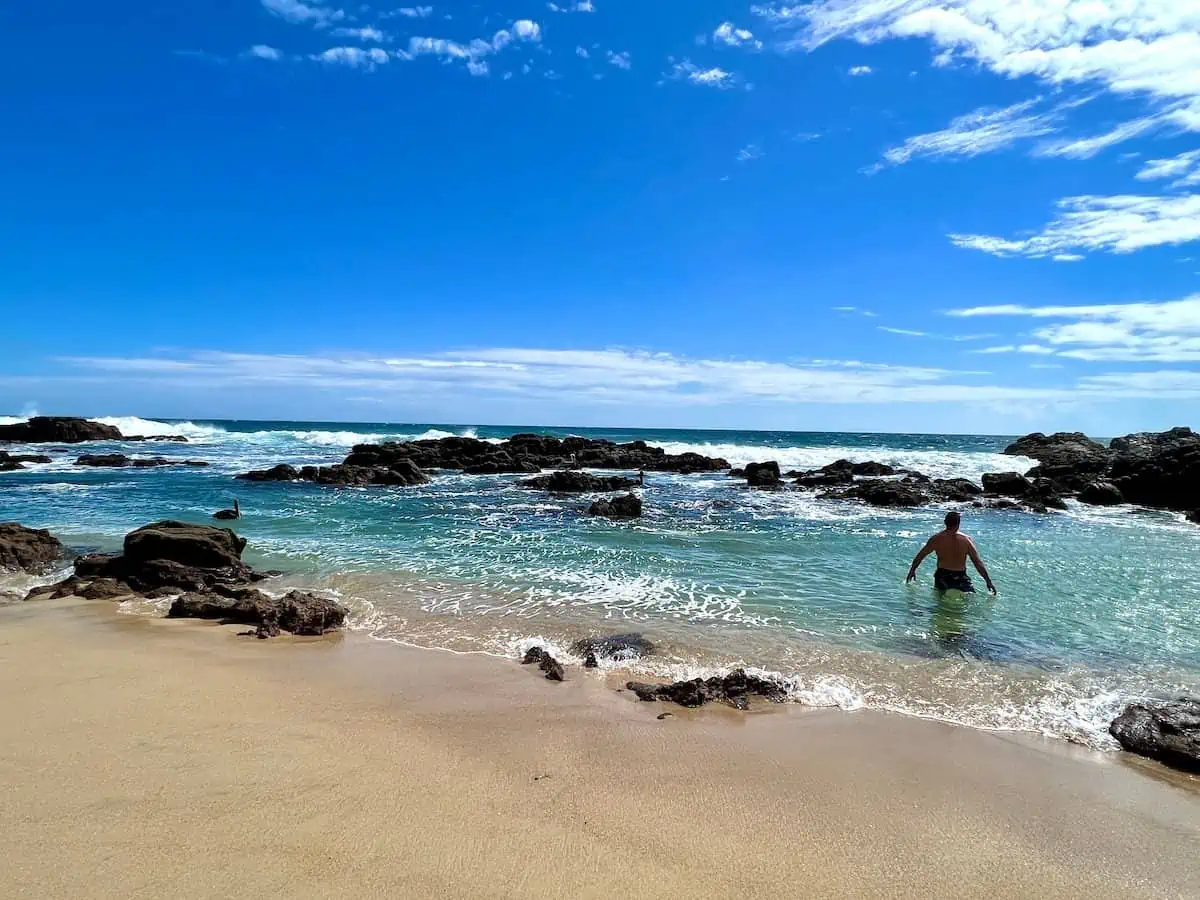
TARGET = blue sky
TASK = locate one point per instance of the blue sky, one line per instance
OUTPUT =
(900, 215)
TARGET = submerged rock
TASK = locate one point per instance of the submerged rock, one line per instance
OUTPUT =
(735, 688)
(10, 462)
(763, 475)
(120, 461)
(1168, 732)
(58, 430)
(29, 550)
(626, 507)
(613, 646)
(574, 482)
(1194, 516)
(402, 473)
(298, 612)
(548, 664)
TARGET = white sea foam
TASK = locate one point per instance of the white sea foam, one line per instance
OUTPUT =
(935, 463)
(133, 425)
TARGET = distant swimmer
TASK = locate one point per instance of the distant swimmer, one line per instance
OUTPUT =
(953, 549)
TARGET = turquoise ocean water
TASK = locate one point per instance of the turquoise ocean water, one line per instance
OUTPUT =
(1096, 607)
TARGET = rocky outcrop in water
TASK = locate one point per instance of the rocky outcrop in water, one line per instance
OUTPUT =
(764, 475)
(121, 461)
(548, 664)
(15, 462)
(58, 430)
(1160, 470)
(531, 453)
(612, 646)
(736, 689)
(155, 438)
(29, 550)
(402, 473)
(297, 612)
(627, 507)
(844, 472)
(1168, 732)
(575, 482)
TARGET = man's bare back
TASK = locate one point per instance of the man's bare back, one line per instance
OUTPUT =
(953, 549)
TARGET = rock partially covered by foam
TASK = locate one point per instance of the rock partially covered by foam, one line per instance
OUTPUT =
(1168, 732)
(613, 646)
(58, 430)
(29, 550)
(627, 507)
(736, 689)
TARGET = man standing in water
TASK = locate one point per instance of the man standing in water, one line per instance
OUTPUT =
(953, 548)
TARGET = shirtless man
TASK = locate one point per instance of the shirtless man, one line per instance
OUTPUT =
(953, 548)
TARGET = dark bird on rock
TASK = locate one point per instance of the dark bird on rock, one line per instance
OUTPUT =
(226, 515)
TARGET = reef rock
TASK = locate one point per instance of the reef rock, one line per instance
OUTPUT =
(298, 612)
(763, 475)
(1168, 732)
(575, 482)
(58, 430)
(1101, 493)
(613, 646)
(735, 688)
(401, 473)
(627, 507)
(28, 549)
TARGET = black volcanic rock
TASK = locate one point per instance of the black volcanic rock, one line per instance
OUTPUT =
(614, 646)
(735, 688)
(28, 549)
(121, 461)
(1161, 470)
(763, 475)
(1101, 493)
(58, 430)
(281, 472)
(548, 664)
(574, 482)
(1061, 449)
(298, 612)
(1168, 732)
(401, 473)
(628, 506)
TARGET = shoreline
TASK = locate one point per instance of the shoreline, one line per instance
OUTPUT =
(152, 757)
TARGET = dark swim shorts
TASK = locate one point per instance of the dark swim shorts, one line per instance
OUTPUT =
(946, 580)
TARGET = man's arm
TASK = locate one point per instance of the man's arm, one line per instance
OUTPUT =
(918, 559)
(974, 554)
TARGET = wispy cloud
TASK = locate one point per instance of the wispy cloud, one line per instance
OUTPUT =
(1150, 48)
(611, 376)
(620, 60)
(985, 130)
(1119, 224)
(858, 71)
(1118, 332)
(731, 36)
(906, 332)
(262, 51)
(856, 310)
(367, 34)
(414, 12)
(749, 153)
(353, 57)
(715, 77)
(1086, 148)
(1183, 170)
(473, 55)
(583, 6)
(298, 12)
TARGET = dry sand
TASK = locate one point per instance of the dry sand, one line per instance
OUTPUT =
(146, 758)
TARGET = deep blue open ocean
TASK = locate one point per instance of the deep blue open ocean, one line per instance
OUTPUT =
(1096, 607)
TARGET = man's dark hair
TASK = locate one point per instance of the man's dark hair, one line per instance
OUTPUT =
(953, 519)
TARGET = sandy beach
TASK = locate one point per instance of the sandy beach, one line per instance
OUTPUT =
(154, 758)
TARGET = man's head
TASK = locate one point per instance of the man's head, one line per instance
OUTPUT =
(953, 520)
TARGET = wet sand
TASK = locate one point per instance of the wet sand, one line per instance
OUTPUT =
(152, 758)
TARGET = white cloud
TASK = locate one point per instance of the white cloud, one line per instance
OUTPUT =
(298, 12)
(620, 60)
(353, 57)
(366, 34)
(527, 30)
(611, 376)
(415, 12)
(478, 67)
(1120, 224)
(856, 310)
(1184, 169)
(1086, 148)
(1128, 332)
(731, 36)
(861, 70)
(749, 153)
(584, 6)
(982, 131)
(262, 51)
(582, 52)
(1135, 47)
(1067, 257)
(716, 77)
(906, 332)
